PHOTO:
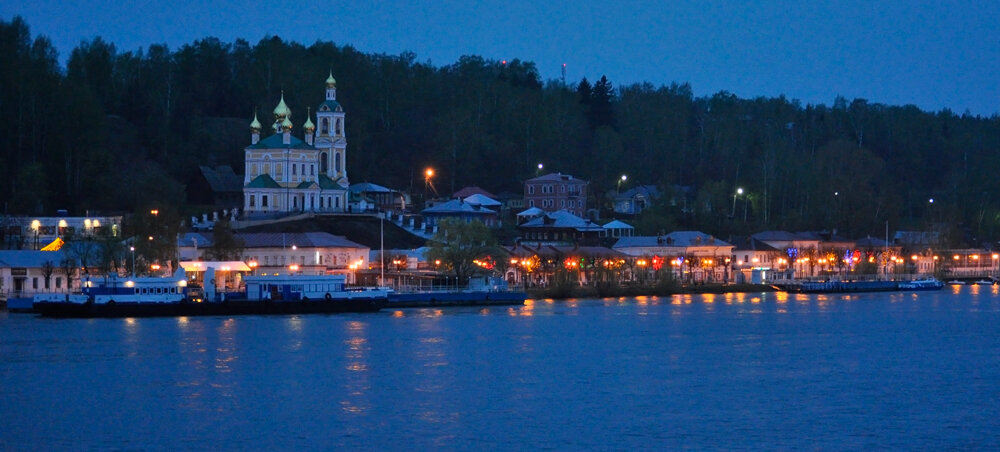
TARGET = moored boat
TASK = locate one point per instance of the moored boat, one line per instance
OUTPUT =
(165, 297)
(861, 286)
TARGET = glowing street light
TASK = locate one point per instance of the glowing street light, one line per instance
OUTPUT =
(739, 191)
(132, 249)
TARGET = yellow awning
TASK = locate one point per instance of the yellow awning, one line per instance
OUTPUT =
(55, 245)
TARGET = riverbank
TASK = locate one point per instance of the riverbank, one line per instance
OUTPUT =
(662, 290)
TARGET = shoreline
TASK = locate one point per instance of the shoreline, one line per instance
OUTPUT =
(564, 292)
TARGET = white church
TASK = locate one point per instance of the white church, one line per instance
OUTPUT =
(286, 174)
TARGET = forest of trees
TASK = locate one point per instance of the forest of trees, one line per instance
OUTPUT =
(122, 130)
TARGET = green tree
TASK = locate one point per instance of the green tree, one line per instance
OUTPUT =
(458, 243)
(226, 246)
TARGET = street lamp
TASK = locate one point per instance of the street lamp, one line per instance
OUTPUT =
(35, 224)
(739, 191)
(132, 249)
(428, 174)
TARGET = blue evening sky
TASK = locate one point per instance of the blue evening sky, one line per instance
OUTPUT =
(932, 54)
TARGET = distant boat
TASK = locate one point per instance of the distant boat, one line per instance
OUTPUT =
(921, 284)
(984, 282)
(861, 286)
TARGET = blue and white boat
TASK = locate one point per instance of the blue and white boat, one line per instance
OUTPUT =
(171, 296)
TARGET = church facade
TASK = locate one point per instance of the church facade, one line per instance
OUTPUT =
(285, 174)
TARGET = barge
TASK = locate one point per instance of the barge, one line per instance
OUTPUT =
(171, 296)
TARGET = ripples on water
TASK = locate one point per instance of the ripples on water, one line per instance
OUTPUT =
(738, 371)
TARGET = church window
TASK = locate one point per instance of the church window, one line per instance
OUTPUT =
(339, 126)
(312, 170)
(337, 202)
(324, 127)
(336, 161)
(293, 170)
(253, 169)
(295, 202)
(531, 203)
(253, 200)
(263, 200)
(531, 190)
(563, 189)
(324, 163)
(563, 203)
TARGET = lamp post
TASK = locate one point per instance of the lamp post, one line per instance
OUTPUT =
(428, 174)
(739, 191)
(620, 180)
(35, 224)
(132, 249)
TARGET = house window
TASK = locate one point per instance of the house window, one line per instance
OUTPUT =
(312, 170)
(58, 283)
(263, 200)
(563, 203)
(294, 173)
(253, 200)
(562, 188)
(531, 190)
(531, 203)
(34, 283)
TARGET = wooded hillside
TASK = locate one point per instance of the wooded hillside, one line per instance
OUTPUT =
(122, 130)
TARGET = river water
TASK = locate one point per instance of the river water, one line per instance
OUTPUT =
(740, 371)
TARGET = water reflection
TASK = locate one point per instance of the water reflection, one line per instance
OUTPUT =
(356, 356)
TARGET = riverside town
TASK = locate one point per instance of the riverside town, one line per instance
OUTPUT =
(289, 225)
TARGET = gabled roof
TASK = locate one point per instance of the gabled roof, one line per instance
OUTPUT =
(469, 191)
(274, 240)
(531, 212)
(457, 206)
(326, 183)
(368, 187)
(299, 239)
(222, 178)
(556, 177)
(276, 141)
(680, 239)
(306, 184)
(752, 244)
(481, 200)
(646, 191)
(263, 181)
(562, 219)
(617, 224)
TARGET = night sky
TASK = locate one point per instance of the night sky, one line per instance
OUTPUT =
(928, 53)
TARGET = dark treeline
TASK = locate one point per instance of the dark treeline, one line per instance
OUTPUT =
(124, 130)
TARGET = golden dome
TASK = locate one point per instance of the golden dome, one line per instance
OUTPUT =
(309, 124)
(330, 81)
(255, 125)
(282, 110)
